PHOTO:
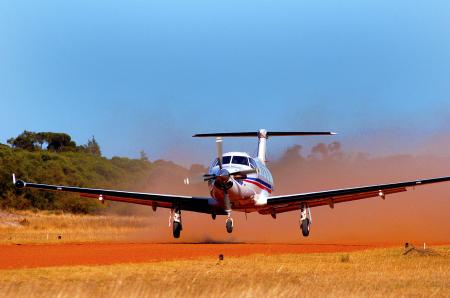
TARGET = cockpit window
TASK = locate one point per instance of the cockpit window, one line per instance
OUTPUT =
(226, 159)
(240, 160)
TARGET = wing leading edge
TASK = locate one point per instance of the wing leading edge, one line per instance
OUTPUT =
(188, 203)
(278, 204)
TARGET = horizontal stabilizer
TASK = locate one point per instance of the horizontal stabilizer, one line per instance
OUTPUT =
(268, 134)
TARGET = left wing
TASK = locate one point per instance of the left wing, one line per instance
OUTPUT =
(278, 204)
(196, 204)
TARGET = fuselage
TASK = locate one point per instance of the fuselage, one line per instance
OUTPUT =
(247, 193)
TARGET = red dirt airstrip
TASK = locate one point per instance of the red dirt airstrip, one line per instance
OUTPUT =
(15, 256)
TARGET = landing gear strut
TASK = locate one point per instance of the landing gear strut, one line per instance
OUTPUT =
(229, 222)
(305, 220)
(176, 223)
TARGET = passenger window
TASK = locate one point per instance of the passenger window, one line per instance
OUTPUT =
(240, 160)
(253, 163)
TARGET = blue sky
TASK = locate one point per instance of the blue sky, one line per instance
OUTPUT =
(146, 75)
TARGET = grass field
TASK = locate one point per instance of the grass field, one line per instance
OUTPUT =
(47, 227)
(374, 273)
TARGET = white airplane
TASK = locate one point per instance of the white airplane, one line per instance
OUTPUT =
(239, 182)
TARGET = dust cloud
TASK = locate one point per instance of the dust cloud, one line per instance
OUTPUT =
(419, 215)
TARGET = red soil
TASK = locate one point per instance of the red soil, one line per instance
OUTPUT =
(46, 255)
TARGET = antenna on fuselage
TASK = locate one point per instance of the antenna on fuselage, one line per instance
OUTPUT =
(262, 136)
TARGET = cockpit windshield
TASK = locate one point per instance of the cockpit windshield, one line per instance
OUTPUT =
(226, 160)
(240, 160)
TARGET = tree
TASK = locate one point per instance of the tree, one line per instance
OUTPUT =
(58, 141)
(40, 138)
(32, 141)
(143, 156)
(26, 140)
(92, 147)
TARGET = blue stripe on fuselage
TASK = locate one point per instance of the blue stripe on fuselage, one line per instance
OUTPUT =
(260, 181)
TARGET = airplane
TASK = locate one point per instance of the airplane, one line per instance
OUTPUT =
(239, 182)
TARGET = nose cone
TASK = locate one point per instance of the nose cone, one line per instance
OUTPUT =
(223, 176)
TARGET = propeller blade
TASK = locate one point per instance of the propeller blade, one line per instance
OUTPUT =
(244, 172)
(219, 150)
(199, 179)
(193, 180)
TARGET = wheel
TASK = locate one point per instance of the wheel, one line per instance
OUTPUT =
(176, 229)
(229, 225)
(213, 215)
(305, 226)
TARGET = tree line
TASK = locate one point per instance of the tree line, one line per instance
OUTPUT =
(52, 141)
(54, 158)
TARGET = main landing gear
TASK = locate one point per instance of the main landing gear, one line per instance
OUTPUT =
(229, 224)
(177, 226)
(176, 223)
(305, 220)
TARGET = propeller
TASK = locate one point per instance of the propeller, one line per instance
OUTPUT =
(219, 151)
(199, 179)
(223, 175)
(208, 177)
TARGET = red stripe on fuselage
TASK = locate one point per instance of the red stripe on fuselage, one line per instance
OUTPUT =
(263, 187)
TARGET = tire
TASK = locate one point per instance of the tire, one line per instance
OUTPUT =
(229, 225)
(305, 226)
(176, 229)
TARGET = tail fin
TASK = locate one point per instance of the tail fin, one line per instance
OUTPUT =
(263, 135)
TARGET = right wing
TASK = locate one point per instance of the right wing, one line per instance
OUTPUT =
(188, 203)
(279, 204)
